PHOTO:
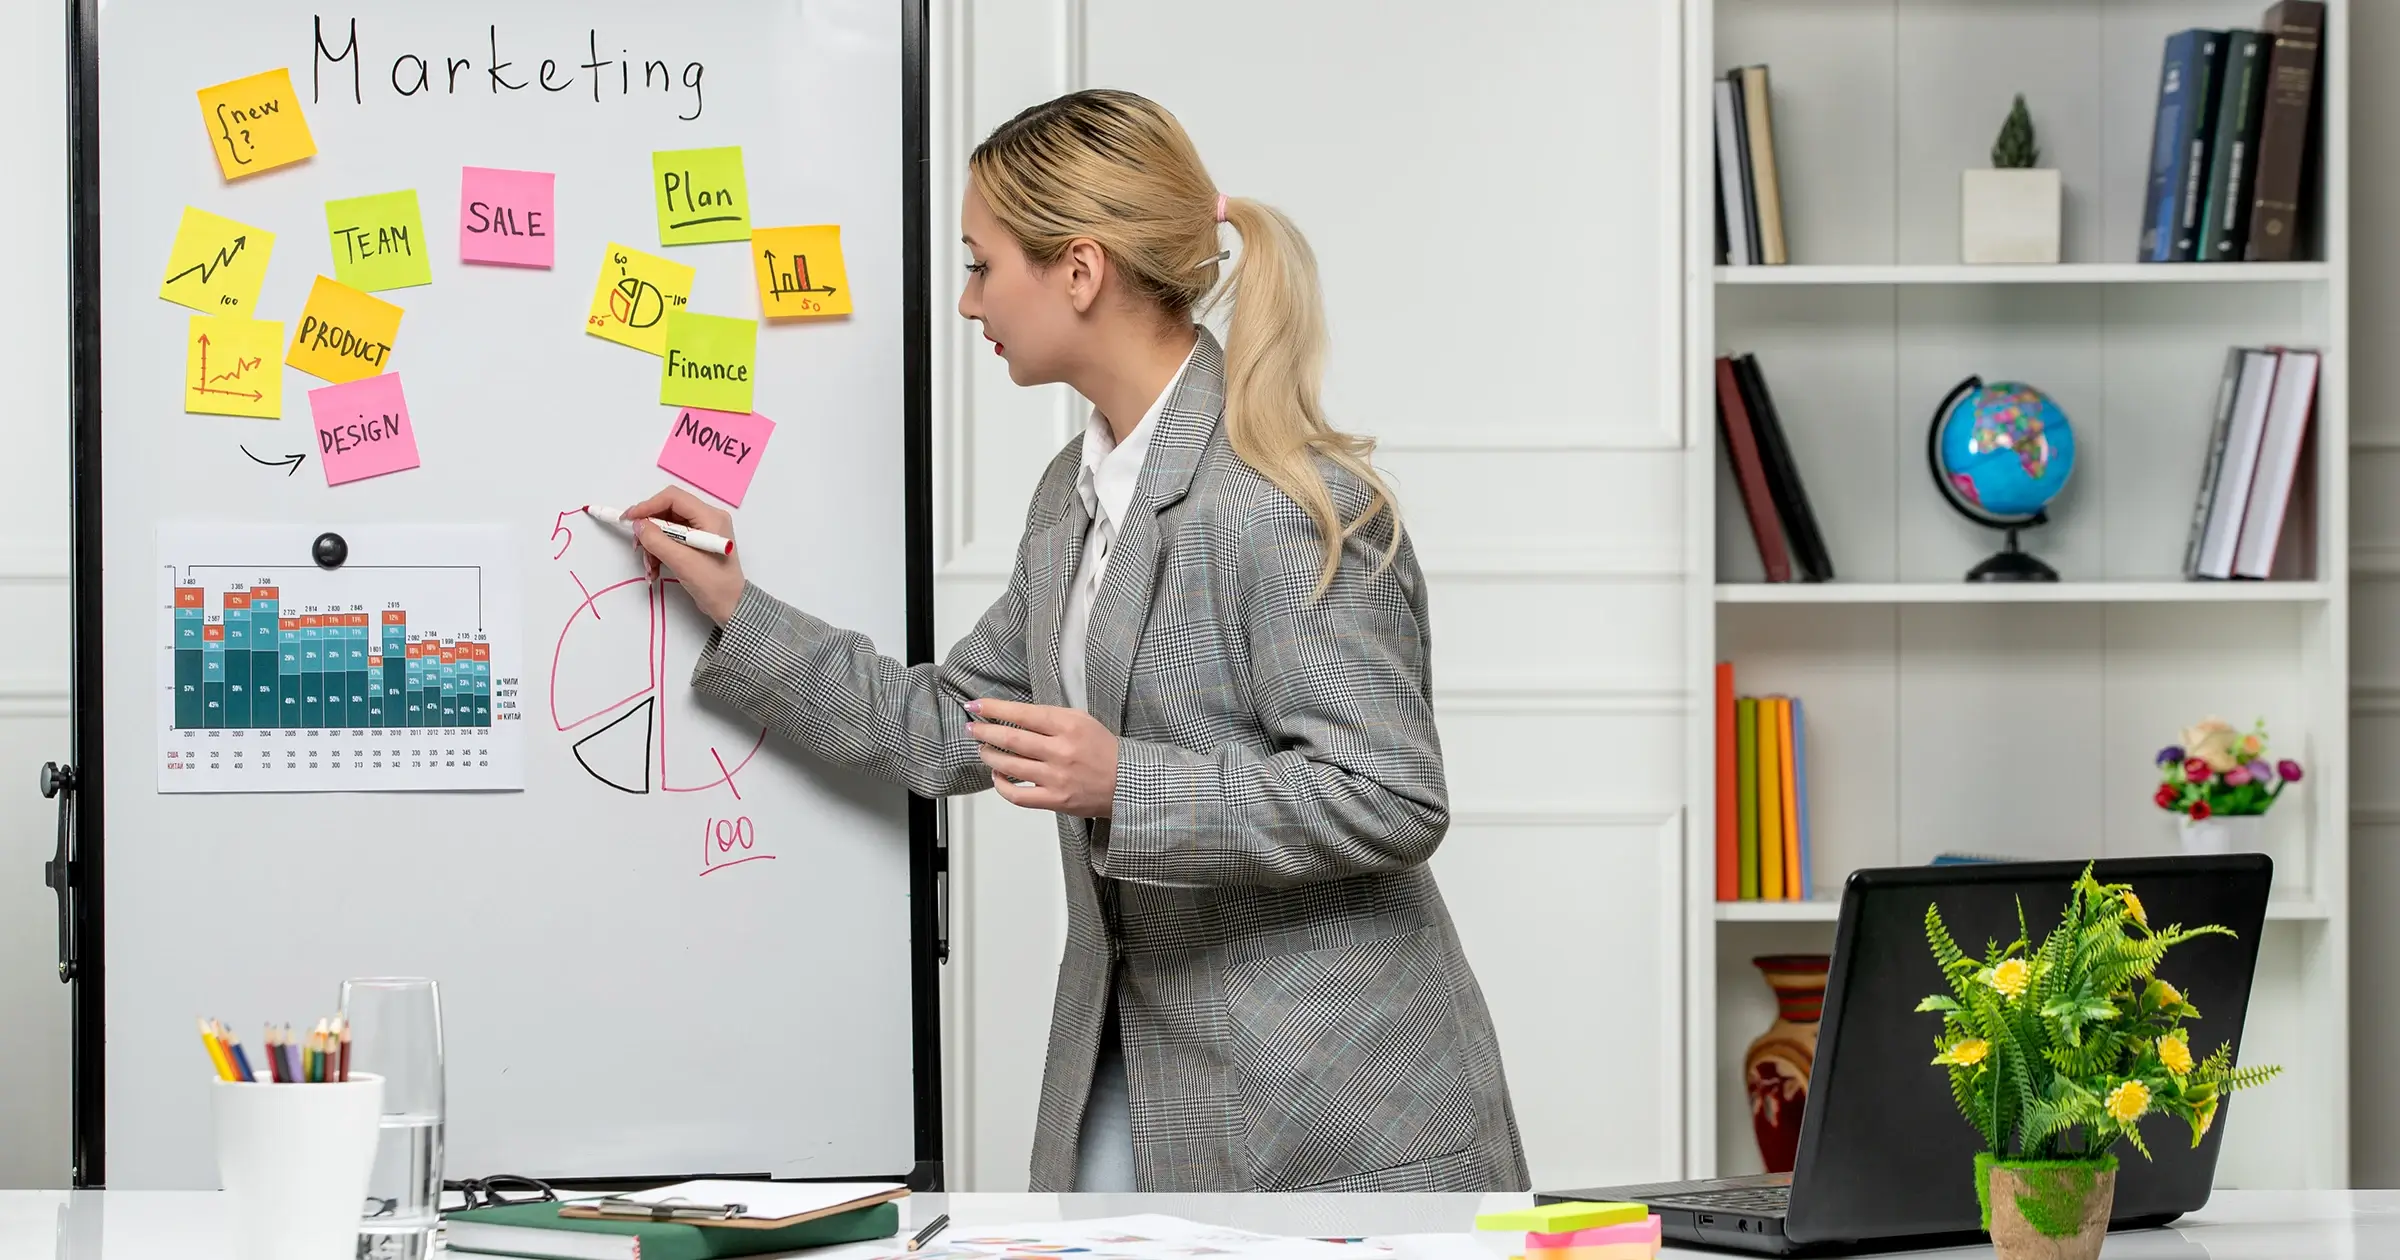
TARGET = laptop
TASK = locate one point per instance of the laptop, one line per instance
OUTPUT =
(1885, 1161)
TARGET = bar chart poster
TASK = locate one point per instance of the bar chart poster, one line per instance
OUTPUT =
(375, 658)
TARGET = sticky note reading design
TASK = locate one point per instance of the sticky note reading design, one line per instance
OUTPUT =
(717, 451)
(216, 264)
(363, 429)
(636, 290)
(255, 125)
(800, 271)
(229, 367)
(709, 360)
(344, 334)
(379, 241)
(700, 195)
(505, 217)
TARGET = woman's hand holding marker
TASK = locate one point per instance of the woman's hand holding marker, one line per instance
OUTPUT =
(713, 580)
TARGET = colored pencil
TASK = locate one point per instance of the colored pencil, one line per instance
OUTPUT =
(217, 1057)
(233, 1047)
(342, 1073)
(291, 1055)
(274, 1065)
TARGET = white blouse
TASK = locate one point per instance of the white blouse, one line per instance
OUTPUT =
(1110, 472)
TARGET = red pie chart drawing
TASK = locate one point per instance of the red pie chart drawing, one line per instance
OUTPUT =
(637, 735)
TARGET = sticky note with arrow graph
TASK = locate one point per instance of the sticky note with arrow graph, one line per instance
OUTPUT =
(216, 264)
(233, 366)
(800, 271)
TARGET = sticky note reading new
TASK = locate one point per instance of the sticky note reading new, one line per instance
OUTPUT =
(379, 241)
(255, 125)
(505, 217)
(344, 334)
(229, 366)
(216, 264)
(709, 361)
(800, 271)
(636, 290)
(717, 451)
(363, 429)
(700, 195)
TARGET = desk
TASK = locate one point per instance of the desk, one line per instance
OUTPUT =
(2236, 1225)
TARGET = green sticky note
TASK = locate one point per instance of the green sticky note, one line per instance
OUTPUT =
(709, 361)
(700, 194)
(1562, 1218)
(379, 241)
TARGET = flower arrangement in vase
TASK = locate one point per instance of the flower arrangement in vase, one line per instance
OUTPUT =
(2056, 1053)
(2220, 783)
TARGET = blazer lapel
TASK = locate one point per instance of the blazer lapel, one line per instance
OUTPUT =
(1059, 549)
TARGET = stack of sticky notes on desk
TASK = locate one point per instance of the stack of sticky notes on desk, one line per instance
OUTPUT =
(1582, 1231)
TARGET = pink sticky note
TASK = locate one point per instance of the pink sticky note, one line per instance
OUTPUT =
(504, 217)
(1643, 1232)
(363, 429)
(717, 451)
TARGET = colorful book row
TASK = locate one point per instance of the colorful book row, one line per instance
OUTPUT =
(1762, 796)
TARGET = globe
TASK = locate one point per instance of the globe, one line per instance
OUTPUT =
(2001, 452)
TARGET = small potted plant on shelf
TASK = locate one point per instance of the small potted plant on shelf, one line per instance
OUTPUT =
(2219, 783)
(2010, 213)
(2057, 1053)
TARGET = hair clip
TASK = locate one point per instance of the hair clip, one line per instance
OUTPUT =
(1218, 257)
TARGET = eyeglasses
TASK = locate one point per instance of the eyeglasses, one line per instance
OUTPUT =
(504, 1190)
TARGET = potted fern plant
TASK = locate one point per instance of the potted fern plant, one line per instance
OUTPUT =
(2057, 1052)
(2010, 213)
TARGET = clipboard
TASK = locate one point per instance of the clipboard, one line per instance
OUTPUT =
(737, 1204)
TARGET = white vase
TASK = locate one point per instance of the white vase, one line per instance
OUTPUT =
(2222, 833)
(2008, 216)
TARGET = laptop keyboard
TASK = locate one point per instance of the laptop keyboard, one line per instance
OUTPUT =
(1762, 1200)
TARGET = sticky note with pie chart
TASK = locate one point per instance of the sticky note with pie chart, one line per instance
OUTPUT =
(634, 294)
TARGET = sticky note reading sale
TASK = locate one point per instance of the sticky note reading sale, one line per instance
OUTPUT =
(709, 361)
(379, 241)
(505, 217)
(363, 429)
(216, 264)
(800, 271)
(700, 194)
(229, 367)
(717, 451)
(636, 290)
(344, 334)
(255, 125)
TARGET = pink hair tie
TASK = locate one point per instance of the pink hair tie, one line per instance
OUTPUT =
(1220, 207)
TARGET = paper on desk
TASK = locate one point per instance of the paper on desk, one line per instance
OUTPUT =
(1146, 1237)
(767, 1200)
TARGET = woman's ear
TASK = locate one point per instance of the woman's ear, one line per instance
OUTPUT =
(1087, 272)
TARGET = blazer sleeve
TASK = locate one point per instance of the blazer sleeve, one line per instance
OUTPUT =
(1341, 687)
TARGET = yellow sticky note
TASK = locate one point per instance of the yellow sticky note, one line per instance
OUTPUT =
(800, 271)
(700, 194)
(709, 361)
(379, 241)
(344, 334)
(255, 124)
(216, 264)
(635, 292)
(229, 367)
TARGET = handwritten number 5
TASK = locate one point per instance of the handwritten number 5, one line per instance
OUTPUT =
(560, 527)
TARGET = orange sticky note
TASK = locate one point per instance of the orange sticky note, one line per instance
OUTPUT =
(255, 124)
(800, 271)
(344, 335)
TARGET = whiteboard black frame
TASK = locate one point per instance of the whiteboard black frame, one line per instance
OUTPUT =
(84, 904)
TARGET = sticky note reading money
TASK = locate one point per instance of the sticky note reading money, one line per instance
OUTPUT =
(717, 451)
(363, 429)
(229, 366)
(216, 264)
(255, 125)
(700, 195)
(800, 271)
(379, 241)
(709, 361)
(344, 334)
(505, 217)
(635, 292)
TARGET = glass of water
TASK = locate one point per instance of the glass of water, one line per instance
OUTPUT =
(396, 1031)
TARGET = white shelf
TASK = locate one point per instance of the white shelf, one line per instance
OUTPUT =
(2056, 273)
(2020, 592)
(2292, 911)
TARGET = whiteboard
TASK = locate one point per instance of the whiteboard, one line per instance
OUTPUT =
(621, 998)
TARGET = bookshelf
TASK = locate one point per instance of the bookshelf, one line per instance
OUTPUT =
(1945, 716)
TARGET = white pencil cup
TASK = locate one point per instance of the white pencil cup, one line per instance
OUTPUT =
(294, 1161)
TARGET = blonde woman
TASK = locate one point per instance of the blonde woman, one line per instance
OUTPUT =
(1212, 665)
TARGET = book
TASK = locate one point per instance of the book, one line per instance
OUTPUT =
(2191, 174)
(1807, 881)
(1745, 734)
(1767, 191)
(1770, 803)
(2278, 461)
(1729, 822)
(2230, 492)
(1786, 760)
(1749, 173)
(1783, 475)
(540, 1230)
(2283, 130)
(1750, 474)
(2169, 134)
(2233, 153)
(2220, 428)
(1732, 207)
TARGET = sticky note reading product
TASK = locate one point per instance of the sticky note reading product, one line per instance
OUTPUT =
(379, 241)
(363, 429)
(229, 367)
(800, 271)
(255, 125)
(216, 264)
(717, 451)
(636, 290)
(505, 217)
(344, 334)
(709, 361)
(700, 195)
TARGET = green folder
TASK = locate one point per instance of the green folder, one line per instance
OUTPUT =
(1745, 756)
(536, 1229)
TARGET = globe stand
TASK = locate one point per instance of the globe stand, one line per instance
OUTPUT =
(2012, 565)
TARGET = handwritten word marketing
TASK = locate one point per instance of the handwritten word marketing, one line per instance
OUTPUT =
(429, 72)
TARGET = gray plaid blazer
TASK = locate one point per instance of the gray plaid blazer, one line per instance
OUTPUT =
(1295, 1009)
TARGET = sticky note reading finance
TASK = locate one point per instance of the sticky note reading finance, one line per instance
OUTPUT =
(505, 217)
(363, 429)
(229, 367)
(709, 361)
(717, 451)
(379, 241)
(216, 264)
(255, 124)
(800, 271)
(344, 334)
(700, 194)
(635, 292)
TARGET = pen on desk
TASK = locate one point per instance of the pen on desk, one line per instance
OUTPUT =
(698, 539)
(926, 1234)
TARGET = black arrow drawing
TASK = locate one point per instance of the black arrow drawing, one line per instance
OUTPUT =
(294, 460)
(224, 258)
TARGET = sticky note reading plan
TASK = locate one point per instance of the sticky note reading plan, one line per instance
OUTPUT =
(717, 451)
(709, 360)
(505, 217)
(254, 124)
(363, 429)
(229, 367)
(344, 334)
(700, 195)
(800, 271)
(636, 290)
(379, 241)
(216, 264)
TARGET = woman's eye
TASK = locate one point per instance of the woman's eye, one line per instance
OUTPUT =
(977, 269)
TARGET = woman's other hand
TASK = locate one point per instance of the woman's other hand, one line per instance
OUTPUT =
(714, 582)
(1064, 759)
